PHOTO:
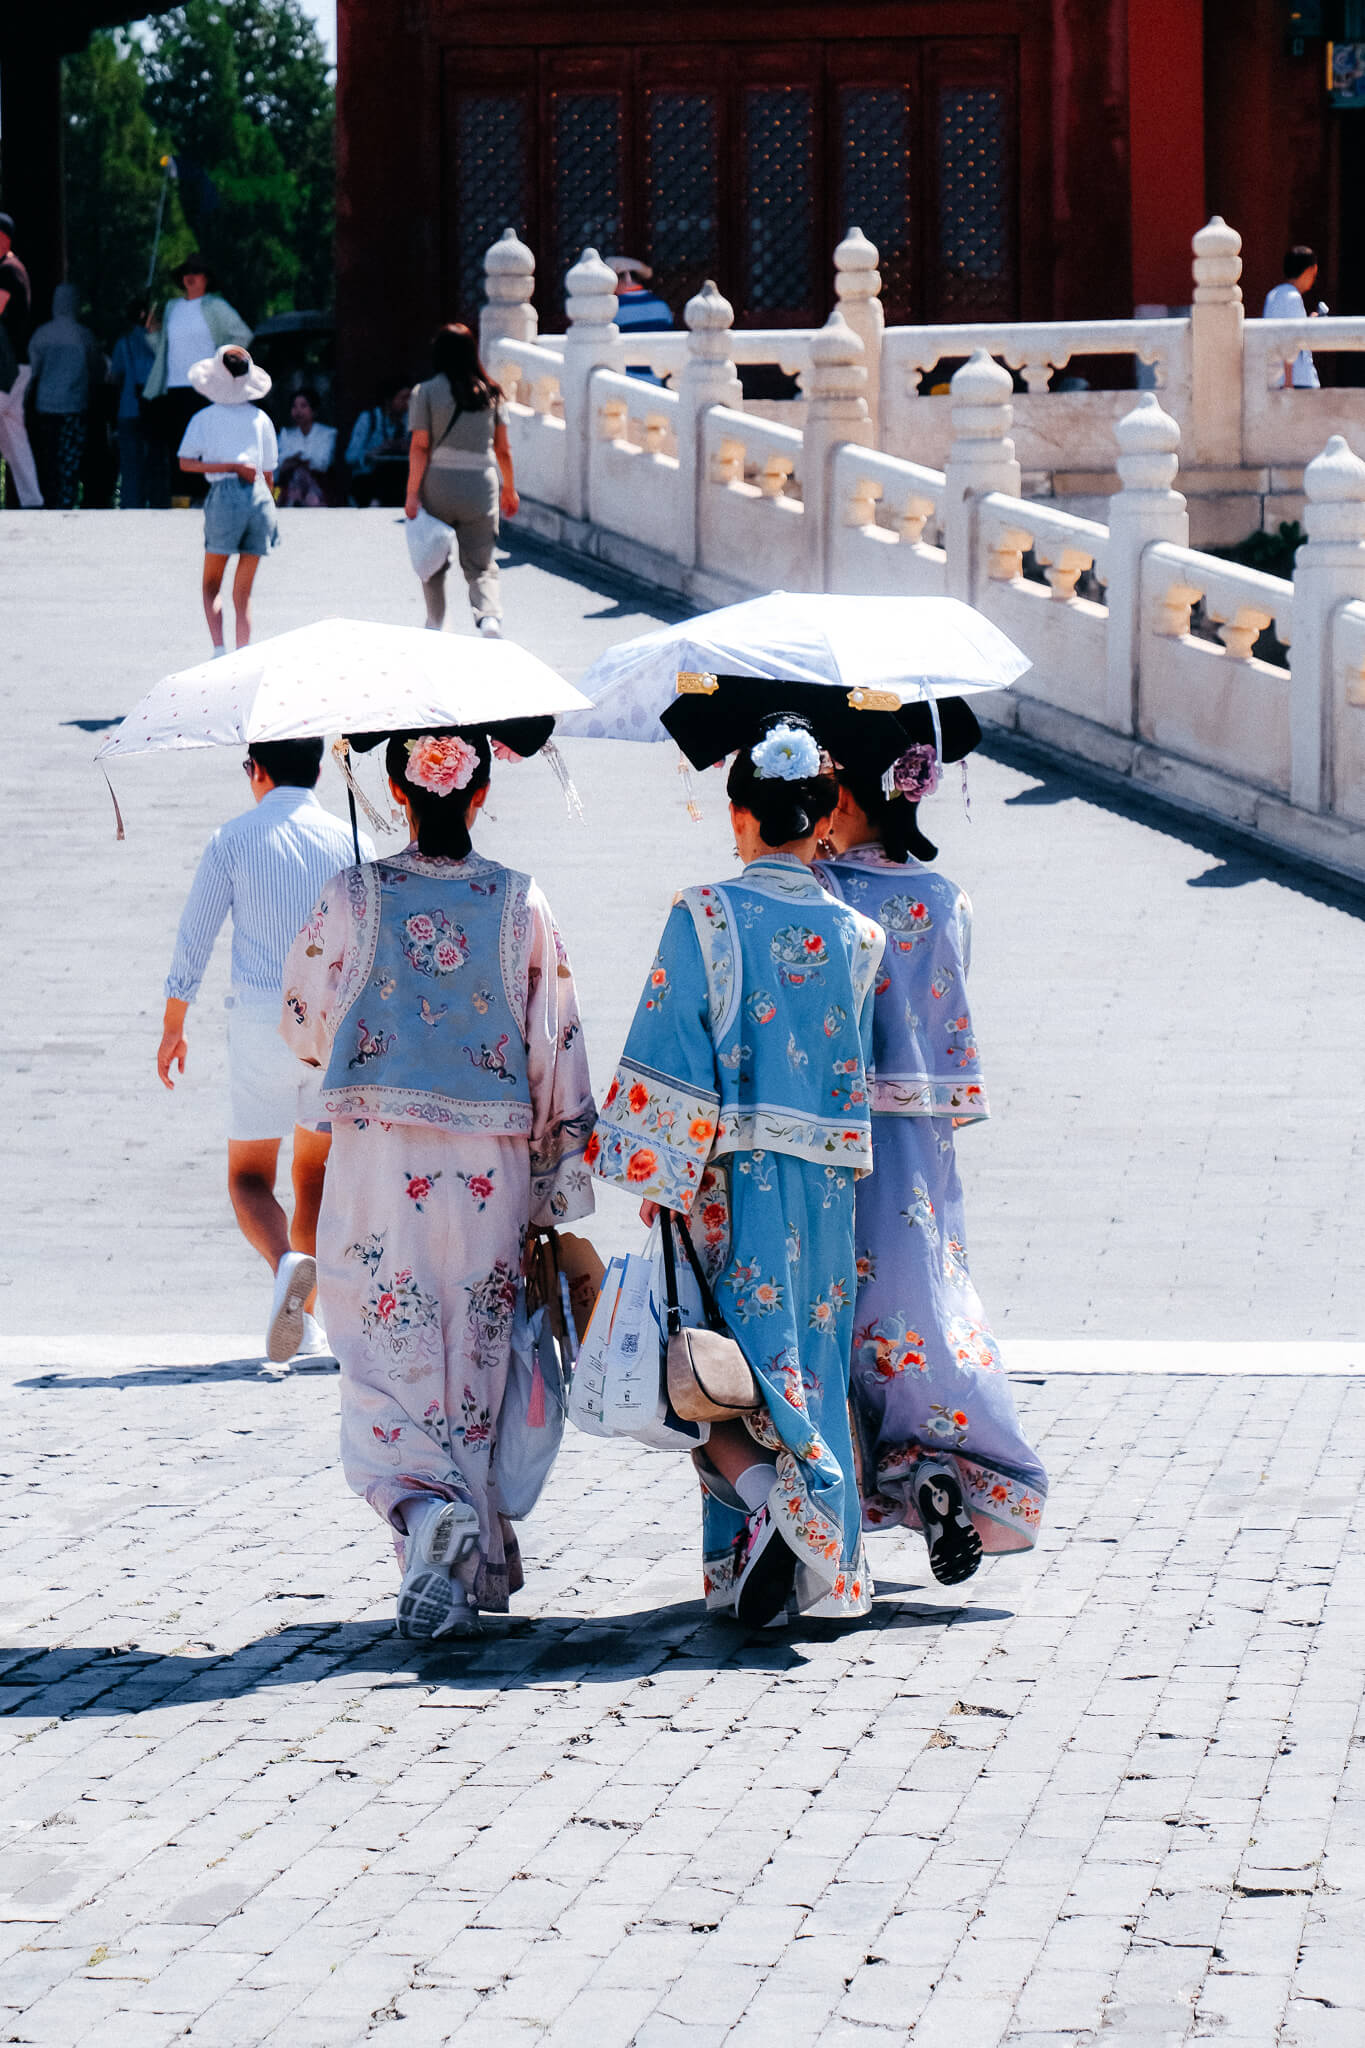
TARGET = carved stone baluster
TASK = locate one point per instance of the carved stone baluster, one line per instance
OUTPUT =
(981, 459)
(772, 478)
(857, 291)
(707, 378)
(1216, 321)
(862, 502)
(1147, 509)
(509, 271)
(836, 415)
(1328, 569)
(591, 343)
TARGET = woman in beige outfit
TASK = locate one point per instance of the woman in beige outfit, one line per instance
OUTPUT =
(460, 471)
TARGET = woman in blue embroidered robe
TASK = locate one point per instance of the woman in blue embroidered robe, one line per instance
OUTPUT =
(930, 1396)
(436, 993)
(741, 1100)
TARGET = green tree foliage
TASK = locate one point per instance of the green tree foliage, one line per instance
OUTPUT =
(238, 92)
(113, 177)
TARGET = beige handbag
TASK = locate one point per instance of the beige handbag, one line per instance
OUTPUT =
(709, 1378)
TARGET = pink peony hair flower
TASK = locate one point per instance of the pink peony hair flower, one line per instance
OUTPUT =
(441, 765)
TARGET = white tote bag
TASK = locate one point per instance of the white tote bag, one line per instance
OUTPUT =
(531, 1419)
(618, 1381)
(429, 543)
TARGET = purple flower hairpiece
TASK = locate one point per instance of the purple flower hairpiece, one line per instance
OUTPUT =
(916, 774)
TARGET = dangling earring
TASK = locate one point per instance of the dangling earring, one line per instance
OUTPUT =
(826, 848)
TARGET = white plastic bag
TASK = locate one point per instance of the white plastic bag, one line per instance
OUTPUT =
(531, 1420)
(618, 1382)
(429, 542)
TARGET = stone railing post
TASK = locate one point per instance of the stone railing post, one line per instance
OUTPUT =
(1329, 570)
(836, 412)
(1147, 509)
(591, 342)
(858, 289)
(509, 271)
(981, 459)
(1216, 347)
(707, 378)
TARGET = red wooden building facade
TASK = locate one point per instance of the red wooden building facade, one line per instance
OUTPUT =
(1011, 158)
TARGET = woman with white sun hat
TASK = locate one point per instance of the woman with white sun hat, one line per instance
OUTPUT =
(232, 442)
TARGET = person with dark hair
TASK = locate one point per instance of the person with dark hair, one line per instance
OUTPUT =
(433, 990)
(67, 365)
(741, 1102)
(129, 367)
(232, 443)
(940, 1442)
(264, 869)
(16, 310)
(191, 328)
(1286, 301)
(460, 473)
(377, 452)
(307, 452)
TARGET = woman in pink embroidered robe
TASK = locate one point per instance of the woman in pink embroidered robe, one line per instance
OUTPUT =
(437, 995)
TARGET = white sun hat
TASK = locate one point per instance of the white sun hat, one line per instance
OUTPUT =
(213, 380)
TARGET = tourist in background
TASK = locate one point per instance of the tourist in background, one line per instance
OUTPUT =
(129, 367)
(377, 452)
(1287, 301)
(68, 366)
(232, 443)
(460, 471)
(264, 869)
(192, 328)
(16, 307)
(307, 452)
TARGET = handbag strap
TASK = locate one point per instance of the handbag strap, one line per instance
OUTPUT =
(714, 1319)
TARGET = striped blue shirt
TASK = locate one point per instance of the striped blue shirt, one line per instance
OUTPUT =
(268, 867)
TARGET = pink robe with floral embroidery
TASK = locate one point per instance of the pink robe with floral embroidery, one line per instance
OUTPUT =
(422, 1228)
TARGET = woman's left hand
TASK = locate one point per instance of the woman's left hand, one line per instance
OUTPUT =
(649, 1214)
(412, 505)
(509, 501)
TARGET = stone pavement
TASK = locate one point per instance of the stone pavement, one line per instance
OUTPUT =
(1170, 1027)
(1114, 1792)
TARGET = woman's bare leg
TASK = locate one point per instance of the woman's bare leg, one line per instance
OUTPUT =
(247, 565)
(732, 1450)
(434, 591)
(214, 568)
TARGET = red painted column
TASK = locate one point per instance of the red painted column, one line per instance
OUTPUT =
(1166, 145)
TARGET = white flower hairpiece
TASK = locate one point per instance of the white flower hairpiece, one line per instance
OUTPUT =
(440, 765)
(786, 754)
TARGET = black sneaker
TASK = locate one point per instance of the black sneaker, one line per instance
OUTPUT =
(954, 1546)
(767, 1571)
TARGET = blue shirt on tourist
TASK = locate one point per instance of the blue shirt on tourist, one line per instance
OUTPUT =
(268, 867)
(128, 366)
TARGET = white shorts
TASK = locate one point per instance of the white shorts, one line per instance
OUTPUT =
(270, 1088)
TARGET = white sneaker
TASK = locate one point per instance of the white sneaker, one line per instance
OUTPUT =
(430, 1601)
(294, 1282)
(490, 627)
(313, 1343)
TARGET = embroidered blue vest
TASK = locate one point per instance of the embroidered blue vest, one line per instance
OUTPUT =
(431, 1013)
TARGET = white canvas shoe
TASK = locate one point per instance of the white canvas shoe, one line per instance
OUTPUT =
(313, 1343)
(490, 627)
(294, 1282)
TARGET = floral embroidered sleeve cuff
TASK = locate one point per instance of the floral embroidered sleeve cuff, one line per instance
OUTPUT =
(654, 1136)
(561, 1186)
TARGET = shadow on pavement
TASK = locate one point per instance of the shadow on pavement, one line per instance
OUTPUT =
(512, 1652)
(179, 1375)
(1239, 861)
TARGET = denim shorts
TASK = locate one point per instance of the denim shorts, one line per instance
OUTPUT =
(239, 519)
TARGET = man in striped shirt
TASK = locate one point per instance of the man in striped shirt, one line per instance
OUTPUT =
(267, 868)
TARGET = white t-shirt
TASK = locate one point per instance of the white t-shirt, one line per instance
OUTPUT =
(317, 446)
(232, 433)
(188, 339)
(1285, 302)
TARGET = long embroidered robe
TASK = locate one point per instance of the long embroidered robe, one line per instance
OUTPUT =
(438, 998)
(741, 1100)
(927, 1372)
